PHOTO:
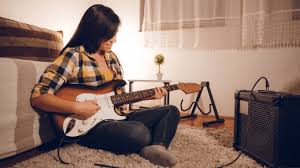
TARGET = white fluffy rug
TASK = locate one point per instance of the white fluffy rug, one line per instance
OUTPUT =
(194, 147)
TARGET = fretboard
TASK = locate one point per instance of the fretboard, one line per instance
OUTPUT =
(132, 97)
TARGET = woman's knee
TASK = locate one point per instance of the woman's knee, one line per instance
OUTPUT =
(140, 134)
(173, 110)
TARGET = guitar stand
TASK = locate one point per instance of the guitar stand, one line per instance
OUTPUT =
(195, 105)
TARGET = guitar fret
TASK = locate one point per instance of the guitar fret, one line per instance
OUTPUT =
(171, 87)
(126, 98)
(140, 94)
(144, 93)
(132, 97)
(136, 96)
(151, 92)
(120, 99)
(114, 99)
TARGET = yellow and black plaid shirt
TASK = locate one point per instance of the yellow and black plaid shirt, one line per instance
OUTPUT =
(76, 66)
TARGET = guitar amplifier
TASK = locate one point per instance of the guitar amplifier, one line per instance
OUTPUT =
(266, 127)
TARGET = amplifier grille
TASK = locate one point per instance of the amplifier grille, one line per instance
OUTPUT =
(242, 129)
(262, 129)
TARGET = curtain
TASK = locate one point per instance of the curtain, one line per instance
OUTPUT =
(191, 23)
(271, 23)
(221, 24)
(187, 14)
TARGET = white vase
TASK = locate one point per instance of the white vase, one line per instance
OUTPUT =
(159, 76)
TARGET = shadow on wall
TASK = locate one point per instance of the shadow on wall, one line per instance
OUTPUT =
(293, 87)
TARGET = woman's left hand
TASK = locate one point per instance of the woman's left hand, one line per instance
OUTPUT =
(159, 93)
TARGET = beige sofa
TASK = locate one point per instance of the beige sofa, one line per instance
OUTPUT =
(25, 52)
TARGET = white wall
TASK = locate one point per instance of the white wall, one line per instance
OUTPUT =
(55, 14)
(226, 70)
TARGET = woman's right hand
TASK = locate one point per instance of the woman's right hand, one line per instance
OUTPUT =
(84, 110)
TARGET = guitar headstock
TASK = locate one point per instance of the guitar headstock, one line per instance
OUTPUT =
(189, 87)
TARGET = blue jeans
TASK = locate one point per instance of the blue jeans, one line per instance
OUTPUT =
(141, 128)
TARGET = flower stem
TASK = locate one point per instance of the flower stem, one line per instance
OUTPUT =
(158, 68)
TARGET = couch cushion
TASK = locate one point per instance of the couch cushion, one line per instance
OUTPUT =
(25, 41)
(21, 126)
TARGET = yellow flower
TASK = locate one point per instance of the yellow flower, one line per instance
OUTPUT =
(159, 59)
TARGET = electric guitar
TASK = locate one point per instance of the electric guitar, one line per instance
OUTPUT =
(108, 100)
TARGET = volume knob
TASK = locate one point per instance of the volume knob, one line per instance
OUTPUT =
(80, 130)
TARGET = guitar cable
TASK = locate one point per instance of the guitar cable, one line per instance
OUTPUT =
(59, 146)
(58, 149)
(64, 162)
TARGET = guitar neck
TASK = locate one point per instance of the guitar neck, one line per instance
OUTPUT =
(137, 96)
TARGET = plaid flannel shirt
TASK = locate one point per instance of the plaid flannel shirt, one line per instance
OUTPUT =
(76, 66)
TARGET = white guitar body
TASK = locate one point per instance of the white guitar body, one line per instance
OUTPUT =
(79, 127)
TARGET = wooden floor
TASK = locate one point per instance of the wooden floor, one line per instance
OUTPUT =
(198, 121)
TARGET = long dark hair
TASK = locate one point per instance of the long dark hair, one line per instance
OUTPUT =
(99, 23)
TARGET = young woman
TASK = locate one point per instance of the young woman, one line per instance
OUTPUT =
(88, 60)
